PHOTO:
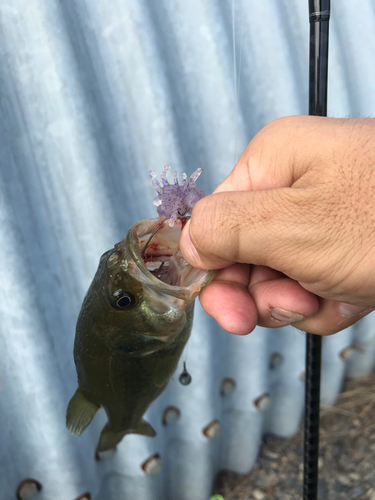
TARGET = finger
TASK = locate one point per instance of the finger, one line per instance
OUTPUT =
(282, 302)
(263, 273)
(332, 317)
(228, 301)
(236, 273)
(195, 257)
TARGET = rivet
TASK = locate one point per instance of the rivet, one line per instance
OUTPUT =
(262, 402)
(27, 489)
(275, 360)
(152, 465)
(85, 496)
(346, 353)
(171, 415)
(211, 429)
(227, 386)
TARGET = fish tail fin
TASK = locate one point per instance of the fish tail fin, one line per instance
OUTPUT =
(109, 439)
(80, 412)
(145, 429)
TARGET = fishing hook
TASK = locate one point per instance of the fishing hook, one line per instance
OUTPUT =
(150, 238)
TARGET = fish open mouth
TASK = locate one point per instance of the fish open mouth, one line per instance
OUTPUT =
(156, 246)
(159, 251)
(161, 255)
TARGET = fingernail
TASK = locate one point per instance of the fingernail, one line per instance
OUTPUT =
(349, 310)
(286, 316)
(187, 248)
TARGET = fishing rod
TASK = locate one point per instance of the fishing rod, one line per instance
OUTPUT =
(319, 14)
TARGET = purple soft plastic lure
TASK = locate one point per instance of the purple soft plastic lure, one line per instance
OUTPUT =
(175, 200)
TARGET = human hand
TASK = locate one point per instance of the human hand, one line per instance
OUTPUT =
(292, 228)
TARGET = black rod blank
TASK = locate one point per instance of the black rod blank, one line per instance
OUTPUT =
(312, 407)
(319, 13)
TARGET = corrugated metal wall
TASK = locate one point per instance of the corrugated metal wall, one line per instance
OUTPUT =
(94, 94)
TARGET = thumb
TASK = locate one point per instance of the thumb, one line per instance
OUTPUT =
(201, 258)
(255, 227)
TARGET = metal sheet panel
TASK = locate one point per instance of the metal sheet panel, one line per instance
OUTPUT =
(93, 96)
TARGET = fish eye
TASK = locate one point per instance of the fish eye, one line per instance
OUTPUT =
(123, 300)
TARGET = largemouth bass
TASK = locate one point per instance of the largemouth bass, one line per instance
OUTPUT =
(134, 323)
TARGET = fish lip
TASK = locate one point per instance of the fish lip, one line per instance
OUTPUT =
(134, 250)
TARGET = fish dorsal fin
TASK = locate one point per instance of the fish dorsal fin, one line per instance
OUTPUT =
(80, 413)
(164, 369)
(145, 429)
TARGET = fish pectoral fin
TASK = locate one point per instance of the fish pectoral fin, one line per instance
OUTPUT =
(164, 369)
(80, 412)
(109, 439)
(145, 429)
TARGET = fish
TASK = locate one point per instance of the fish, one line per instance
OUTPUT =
(133, 325)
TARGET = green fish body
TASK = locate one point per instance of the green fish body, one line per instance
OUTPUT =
(132, 328)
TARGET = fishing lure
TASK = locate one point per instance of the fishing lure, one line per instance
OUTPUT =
(175, 200)
(136, 319)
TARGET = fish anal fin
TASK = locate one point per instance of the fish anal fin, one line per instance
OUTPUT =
(109, 439)
(80, 412)
(145, 429)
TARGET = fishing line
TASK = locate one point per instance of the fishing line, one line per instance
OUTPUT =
(185, 377)
(240, 62)
(235, 83)
(237, 71)
(319, 14)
